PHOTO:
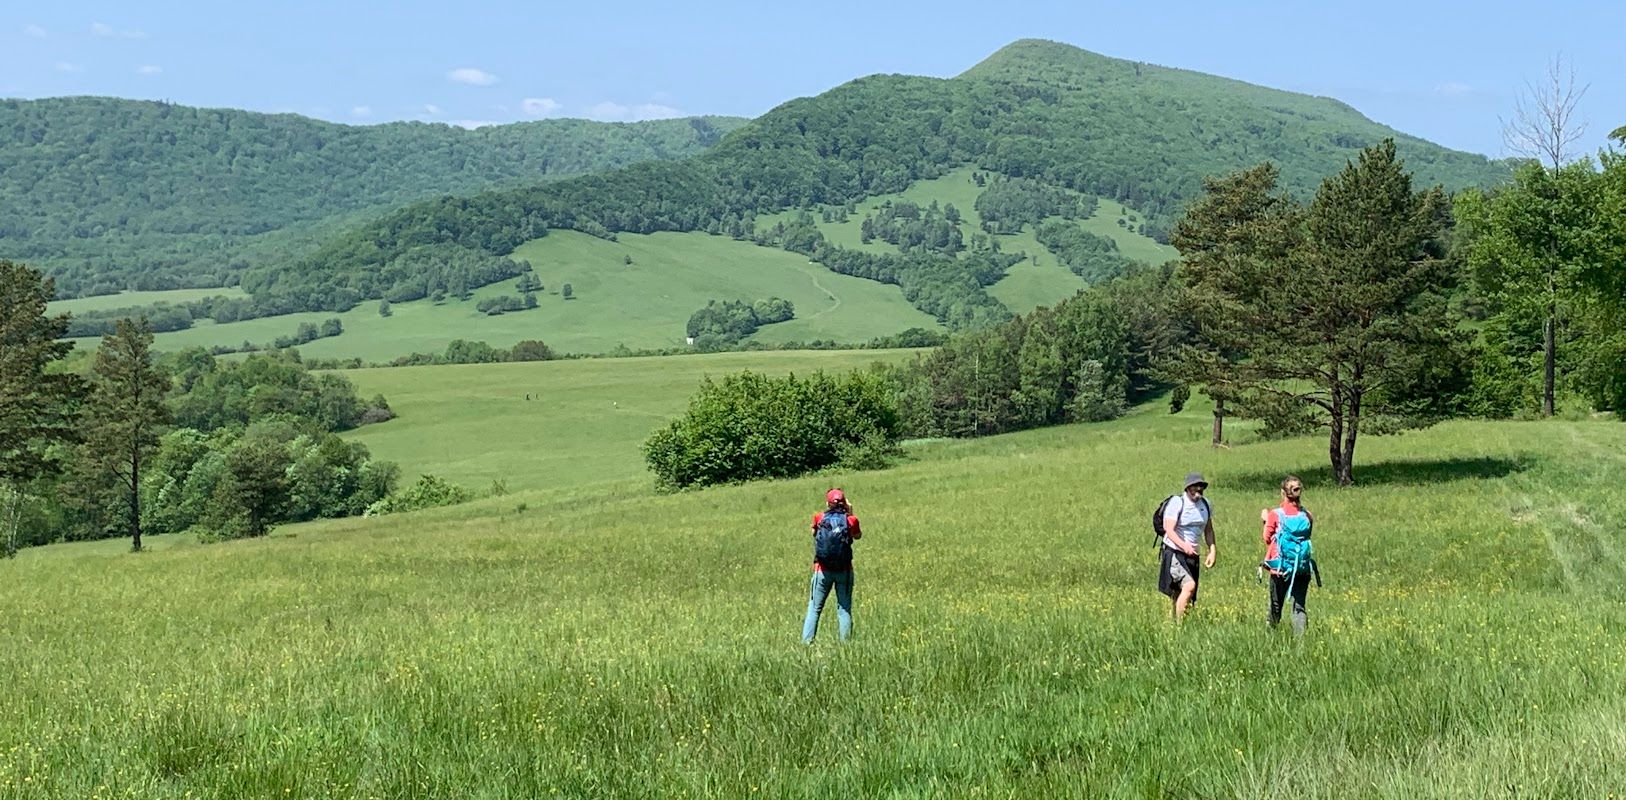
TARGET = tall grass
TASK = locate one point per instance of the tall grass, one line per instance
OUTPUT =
(1010, 643)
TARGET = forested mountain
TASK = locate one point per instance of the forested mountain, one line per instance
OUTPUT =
(1141, 134)
(111, 194)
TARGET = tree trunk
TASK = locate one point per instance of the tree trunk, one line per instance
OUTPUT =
(1548, 360)
(1346, 474)
(135, 504)
(13, 515)
(1335, 443)
(1219, 421)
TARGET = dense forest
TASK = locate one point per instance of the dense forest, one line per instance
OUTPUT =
(110, 194)
(1049, 114)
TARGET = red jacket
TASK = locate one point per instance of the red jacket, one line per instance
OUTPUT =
(852, 528)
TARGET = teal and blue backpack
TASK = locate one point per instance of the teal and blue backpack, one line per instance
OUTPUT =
(1293, 550)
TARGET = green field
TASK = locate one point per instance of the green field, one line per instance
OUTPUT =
(602, 640)
(80, 305)
(643, 305)
(1040, 281)
(584, 423)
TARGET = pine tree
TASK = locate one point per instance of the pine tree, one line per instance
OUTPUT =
(1340, 318)
(125, 413)
(1237, 221)
(36, 405)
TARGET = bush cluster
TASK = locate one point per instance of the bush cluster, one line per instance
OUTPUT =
(750, 425)
(720, 325)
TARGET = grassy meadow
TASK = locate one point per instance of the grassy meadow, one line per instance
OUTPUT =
(641, 305)
(596, 640)
(80, 305)
(584, 422)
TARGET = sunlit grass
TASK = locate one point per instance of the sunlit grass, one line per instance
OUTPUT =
(608, 641)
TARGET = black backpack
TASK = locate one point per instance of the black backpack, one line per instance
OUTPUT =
(833, 542)
(1157, 516)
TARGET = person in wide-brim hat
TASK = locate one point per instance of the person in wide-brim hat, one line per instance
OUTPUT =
(1188, 519)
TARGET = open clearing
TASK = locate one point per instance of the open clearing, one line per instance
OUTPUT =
(591, 640)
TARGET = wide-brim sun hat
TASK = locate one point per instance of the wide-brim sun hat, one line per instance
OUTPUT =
(1194, 479)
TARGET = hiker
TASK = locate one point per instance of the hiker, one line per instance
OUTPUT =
(1186, 518)
(1287, 553)
(834, 530)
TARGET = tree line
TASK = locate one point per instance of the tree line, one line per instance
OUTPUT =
(133, 444)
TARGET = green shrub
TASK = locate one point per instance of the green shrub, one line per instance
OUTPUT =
(429, 492)
(754, 426)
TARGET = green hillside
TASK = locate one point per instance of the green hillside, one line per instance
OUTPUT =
(1042, 279)
(116, 194)
(1134, 133)
(642, 305)
(594, 641)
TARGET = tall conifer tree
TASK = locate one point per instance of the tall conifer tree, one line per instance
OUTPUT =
(36, 405)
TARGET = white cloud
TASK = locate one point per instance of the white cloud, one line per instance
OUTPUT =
(539, 106)
(471, 124)
(34, 32)
(107, 31)
(610, 111)
(432, 110)
(149, 69)
(607, 111)
(361, 111)
(65, 66)
(1453, 89)
(471, 76)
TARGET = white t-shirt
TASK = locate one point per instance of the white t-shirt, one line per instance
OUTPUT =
(1190, 518)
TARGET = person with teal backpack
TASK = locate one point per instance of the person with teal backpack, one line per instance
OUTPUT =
(1288, 554)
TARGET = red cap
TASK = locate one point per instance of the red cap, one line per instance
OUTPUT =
(834, 497)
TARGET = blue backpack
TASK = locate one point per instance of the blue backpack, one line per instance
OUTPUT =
(833, 542)
(1293, 550)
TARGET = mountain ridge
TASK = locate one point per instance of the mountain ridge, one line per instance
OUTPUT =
(108, 193)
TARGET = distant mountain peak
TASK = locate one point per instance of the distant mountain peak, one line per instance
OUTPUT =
(1026, 58)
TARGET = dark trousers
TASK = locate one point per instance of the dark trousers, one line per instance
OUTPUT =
(1279, 590)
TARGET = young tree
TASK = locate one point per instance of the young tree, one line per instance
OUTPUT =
(36, 405)
(384, 308)
(565, 292)
(125, 413)
(254, 490)
(1339, 326)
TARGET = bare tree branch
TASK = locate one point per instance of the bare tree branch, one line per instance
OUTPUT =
(1544, 124)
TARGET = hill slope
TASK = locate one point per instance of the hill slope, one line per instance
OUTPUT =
(606, 641)
(112, 193)
(1063, 117)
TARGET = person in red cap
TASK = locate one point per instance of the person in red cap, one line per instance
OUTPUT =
(834, 530)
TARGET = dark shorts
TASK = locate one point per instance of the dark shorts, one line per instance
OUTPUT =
(1171, 564)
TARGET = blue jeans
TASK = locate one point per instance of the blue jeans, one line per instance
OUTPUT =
(819, 590)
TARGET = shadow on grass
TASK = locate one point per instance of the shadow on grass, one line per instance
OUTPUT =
(1413, 473)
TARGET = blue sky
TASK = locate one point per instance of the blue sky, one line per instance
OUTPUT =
(1446, 72)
